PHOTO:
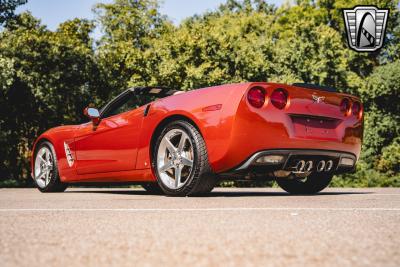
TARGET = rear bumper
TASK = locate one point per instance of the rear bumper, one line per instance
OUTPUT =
(258, 130)
(289, 158)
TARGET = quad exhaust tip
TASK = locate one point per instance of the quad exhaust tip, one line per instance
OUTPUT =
(324, 165)
(308, 166)
(303, 166)
(321, 166)
(300, 166)
(329, 165)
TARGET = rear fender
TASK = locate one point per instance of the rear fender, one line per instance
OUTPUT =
(210, 109)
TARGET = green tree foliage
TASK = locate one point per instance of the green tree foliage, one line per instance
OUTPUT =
(7, 9)
(207, 51)
(129, 27)
(382, 119)
(52, 76)
(48, 77)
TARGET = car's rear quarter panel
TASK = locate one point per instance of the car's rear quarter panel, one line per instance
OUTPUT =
(215, 124)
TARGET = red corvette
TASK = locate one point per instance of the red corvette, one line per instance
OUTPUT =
(183, 143)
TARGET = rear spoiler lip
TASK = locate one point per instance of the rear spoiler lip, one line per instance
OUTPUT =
(316, 87)
(325, 89)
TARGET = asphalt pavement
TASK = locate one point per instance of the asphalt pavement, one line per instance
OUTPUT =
(230, 227)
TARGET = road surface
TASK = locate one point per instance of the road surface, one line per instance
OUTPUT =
(231, 227)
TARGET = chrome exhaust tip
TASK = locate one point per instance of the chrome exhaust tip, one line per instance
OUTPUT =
(329, 165)
(321, 166)
(308, 166)
(300, 166)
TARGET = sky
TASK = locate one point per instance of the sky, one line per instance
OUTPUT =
(53, 12)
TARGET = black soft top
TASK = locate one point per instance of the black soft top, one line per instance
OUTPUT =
(143, 95)
(158, 91)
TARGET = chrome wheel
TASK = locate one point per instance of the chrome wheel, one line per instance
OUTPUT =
(175, 158)
(43, 167)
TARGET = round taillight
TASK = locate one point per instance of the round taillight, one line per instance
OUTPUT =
(279, 98)
(256, 97)
(345, 106)
(356, 109)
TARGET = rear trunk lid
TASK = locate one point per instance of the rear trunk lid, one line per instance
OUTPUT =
(315, 113)
(314, 102)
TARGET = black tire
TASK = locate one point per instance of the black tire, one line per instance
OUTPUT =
(55, 184)
(153, 188)
(201, 179)
(313, 184)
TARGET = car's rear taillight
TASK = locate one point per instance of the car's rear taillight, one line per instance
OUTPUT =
(345, 106)
(356, 109)
(256, 97)
(279, 98)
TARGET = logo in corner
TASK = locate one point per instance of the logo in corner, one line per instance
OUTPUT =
(365, 27)
(318, 99)
(68, 154)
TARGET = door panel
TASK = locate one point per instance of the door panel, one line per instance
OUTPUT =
(111, 146)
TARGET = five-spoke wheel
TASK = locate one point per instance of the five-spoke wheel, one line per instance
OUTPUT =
(175, 158)
(45, 171)
(180, 161)
(43, 167)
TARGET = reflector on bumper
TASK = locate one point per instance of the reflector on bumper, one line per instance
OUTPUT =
(270, 159)
(346, 162)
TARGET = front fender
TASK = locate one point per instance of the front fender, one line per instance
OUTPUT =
(57, 137)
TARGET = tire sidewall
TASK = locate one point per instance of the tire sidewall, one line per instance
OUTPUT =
(55, 180)
(190, 183)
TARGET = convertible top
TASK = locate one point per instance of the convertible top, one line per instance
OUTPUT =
(146, 94)
(157, 91)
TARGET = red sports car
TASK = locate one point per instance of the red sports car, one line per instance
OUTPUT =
(183, 143)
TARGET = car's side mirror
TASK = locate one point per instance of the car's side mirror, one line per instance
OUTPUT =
(93, 114)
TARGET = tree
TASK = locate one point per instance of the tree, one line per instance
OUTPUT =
(7, 9)
(380, 96)
(129, 28)
(52, 77)
(243, 42)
